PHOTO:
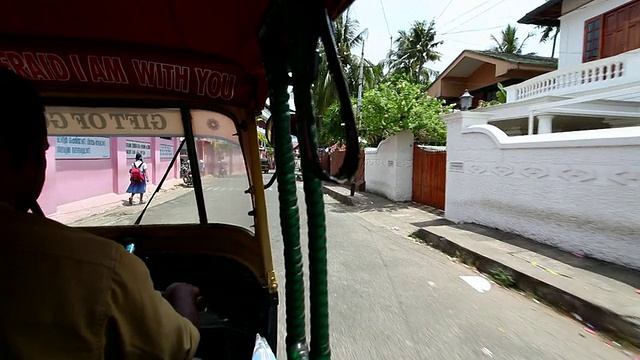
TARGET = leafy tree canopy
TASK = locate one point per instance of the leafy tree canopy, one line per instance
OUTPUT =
(396, 105)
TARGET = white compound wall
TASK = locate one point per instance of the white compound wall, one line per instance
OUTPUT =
(579, 191)
(389, 167)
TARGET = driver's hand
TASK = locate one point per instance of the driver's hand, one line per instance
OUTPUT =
(183, 297)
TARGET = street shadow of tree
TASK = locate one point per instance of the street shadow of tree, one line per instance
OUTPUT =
(374, 203)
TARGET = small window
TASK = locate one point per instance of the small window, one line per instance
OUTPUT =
(592, 39)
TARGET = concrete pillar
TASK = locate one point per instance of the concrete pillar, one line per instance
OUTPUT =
(155, 161)
(120, 164)
(545, 124)
(176, 165)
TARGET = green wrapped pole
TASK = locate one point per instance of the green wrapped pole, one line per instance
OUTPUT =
(319, 294)
(318, 284)
(277, 77)
(303, 39)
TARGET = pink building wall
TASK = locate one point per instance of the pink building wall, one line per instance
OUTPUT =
(71, 180)
(233, 157)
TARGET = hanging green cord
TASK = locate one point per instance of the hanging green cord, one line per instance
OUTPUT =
(277, 77)
(302, 46)
(318, 292)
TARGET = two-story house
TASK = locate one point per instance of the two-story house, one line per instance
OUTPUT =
(560, 161)
(597, 80)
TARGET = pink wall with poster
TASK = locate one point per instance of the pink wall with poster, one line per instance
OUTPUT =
(81, 168)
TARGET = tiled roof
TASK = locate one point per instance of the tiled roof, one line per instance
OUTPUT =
(520, 59)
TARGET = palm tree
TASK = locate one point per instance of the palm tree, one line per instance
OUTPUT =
(348, 37)
(549, 32)
(413, 50)
(509, 42)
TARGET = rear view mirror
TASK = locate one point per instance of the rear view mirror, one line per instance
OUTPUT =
(269, 128)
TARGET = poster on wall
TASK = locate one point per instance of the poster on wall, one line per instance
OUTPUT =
(166, 152)
(79, 147)
(134, 147)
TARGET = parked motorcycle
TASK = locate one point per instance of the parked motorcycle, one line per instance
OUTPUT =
(222, 168)
(188, 179)
(185, 173)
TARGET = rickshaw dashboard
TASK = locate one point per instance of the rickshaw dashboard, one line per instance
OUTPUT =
(234, 304)
(231, 305)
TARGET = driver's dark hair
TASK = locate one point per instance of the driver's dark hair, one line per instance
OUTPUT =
(22, 120)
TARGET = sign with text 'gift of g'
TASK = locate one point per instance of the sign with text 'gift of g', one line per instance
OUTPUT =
(134, 147)
(75, 147)
(76, 121)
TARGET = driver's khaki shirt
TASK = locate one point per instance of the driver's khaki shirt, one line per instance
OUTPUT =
(67, 294)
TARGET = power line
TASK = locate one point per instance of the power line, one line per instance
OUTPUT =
(384, 14)
(466, 12)
(474, 30)
(498, 3)
(445, 9)
(462, 42)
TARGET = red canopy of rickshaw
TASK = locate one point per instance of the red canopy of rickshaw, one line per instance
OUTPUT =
(191, 49)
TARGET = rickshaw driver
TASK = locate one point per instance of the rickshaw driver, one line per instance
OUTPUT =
(65, 293)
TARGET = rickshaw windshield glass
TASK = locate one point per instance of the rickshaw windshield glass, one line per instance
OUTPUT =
(102, 159)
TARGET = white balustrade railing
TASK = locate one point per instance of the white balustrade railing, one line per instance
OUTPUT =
(599, 74)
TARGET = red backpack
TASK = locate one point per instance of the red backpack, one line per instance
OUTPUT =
(136, 174)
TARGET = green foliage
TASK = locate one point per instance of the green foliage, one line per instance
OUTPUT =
(392, 102)
(482, 103)
(348, 37)
(413, 50)
(502, 277)
(262, 137)
(501, 95)
(509, 43)
(332, 131)
(397, 105)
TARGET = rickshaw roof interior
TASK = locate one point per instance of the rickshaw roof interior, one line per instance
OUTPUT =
(192, 50)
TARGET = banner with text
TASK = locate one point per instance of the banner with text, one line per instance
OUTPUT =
(74, 147)
(62, 120)
(73, 67)
(133, 147)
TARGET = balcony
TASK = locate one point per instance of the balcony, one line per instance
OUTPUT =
(594, 76)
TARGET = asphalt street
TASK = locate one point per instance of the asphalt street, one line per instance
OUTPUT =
(392, 298)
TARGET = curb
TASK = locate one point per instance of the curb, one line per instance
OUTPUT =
(605, 320)
(357, 199)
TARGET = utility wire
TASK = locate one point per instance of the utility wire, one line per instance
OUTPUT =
(466, 12)
(473, 30)
(445, 9)
(384, 13)
(478, 14)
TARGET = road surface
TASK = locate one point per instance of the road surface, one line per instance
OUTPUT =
(391, 298)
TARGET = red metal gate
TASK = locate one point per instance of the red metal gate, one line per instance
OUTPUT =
(336, 160)
(429, 177)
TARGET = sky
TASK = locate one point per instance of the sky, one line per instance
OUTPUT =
(461, 24)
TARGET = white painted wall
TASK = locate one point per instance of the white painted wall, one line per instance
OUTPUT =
(579, 191)
(389, 167)
(572, 29)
